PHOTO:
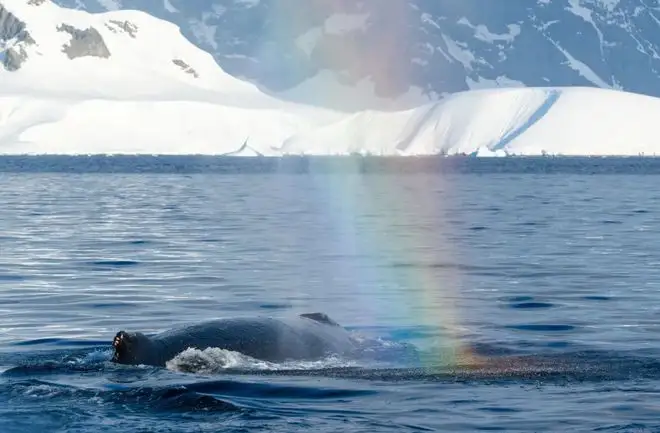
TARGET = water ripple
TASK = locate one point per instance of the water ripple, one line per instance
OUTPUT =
(535, 263)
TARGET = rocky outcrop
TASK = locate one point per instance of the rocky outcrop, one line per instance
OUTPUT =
(14, 38)
(185, 67)
(125, 26)
(84, 43)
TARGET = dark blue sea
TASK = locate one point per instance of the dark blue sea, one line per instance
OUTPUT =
(547, 270)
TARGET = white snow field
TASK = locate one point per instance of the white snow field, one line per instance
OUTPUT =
(496, 122)
(125, 82)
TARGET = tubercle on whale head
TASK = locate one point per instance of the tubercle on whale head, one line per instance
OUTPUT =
(120, 346)
(130, 347)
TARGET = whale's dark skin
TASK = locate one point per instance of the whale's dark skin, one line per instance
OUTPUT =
(306, 337)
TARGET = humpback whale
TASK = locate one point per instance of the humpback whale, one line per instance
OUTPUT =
(307, 337)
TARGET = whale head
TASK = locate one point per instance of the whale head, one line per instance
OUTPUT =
(132, 348)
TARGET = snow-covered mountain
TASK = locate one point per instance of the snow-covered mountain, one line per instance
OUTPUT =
(398, 53)
(74, 82)
(126, 82)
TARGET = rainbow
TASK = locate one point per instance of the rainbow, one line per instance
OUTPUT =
(322, 31)
(405, 271)
(399, 255)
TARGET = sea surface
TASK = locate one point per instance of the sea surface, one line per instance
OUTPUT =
(544, 270)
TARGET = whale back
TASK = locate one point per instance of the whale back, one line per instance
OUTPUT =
(311, 336)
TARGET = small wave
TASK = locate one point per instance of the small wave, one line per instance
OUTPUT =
(37, 389)
(531, 305)
(170, 398)
(79, 361)
(542, 327)
(113, 263)
(93, 357)
(11, 278)
(178, 399)
(597, 298)
(214, 360)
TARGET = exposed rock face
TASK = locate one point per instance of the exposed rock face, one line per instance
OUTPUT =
(84, 43)
(13, 39)
(186, 67)
(126, 26)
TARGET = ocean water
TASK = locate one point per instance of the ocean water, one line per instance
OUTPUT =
(547, 269)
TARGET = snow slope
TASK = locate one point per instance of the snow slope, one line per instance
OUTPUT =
(523, 121)
(30, 125)
(325, 90)
(575, 121)
(126, 82)
(141, 53)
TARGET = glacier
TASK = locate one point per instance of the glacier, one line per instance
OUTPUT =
(577, 121)
(126, 82)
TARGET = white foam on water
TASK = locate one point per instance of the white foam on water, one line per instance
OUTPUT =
(215, 360)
